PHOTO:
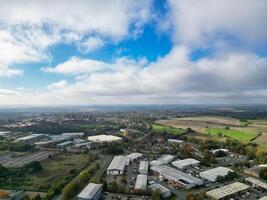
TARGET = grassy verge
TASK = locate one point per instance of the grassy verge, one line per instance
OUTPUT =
(242, 136)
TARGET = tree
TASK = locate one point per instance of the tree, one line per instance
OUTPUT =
(156, 195)
(263, 173)
(191, 196)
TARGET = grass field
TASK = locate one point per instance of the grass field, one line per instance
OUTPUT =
(54, 170)
(170, 130)
(243, 136)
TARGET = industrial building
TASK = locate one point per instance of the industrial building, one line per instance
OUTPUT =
(212, 174)
(185, 163)
(117, 165)
(256, 183)
(165, 192)
(104, 138)
(64, 144)
(227, 191)
(254, 171)
(177, 177)
(176, 141)
(263, 198)
(83, 145)
(217, 150)
(91, 192)
(31, 139)
(143, 167)
(134, 156)
(73, 135)
(141, 182)
(163, 160)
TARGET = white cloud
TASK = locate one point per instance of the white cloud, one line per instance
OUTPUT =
(207, 22)
(90, 44)
(58, 85)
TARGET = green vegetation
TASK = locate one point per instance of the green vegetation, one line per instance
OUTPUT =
(240, 135)
(167, 129)
(6, 144)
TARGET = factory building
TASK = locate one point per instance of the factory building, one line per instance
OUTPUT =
(84, 145)
(143, 167)
(212, 174)
(141, 182)
(165, 192)
(227, 191)
(117, 165)
(64, 145)
(256, 183)
(134, 156)
(91, 192)
(31, 139)
(176, 177)
(185, 163)
(104, 138)
(163, 160)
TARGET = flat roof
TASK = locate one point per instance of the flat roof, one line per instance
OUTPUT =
(90, 190)
(185, 162)
(263, 198)
(257, 182)
(118, 163)
(157, 186)
(65, 143)
(141, 182)
(143, 166)
(175, 141)
(227, 190)
(134, 155)
(104, 138)
(175, 175)
(214, 173)
(28, 137)
(165, 159)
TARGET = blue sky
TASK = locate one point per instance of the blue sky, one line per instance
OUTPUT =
(136, 52)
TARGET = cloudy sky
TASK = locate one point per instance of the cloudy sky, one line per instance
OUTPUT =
(82, 52)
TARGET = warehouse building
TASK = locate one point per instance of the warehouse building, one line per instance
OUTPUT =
(84, 145)
(141, 182)
(177, 177)
(91, 192)
(263, 198)
(254, 171)
(134, 156)
(143, 167)
(163, 160)
(185, 163)
(104, 138)
(31, 139)
(212, 174)
(175, 141)
(256, 183)
(227, 191)
(73, 135)
(117, 165)
(165, 192)
(64, 145)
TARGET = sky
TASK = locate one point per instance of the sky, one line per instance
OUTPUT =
(100, 52)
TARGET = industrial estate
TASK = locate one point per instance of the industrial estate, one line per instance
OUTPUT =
(135, 155)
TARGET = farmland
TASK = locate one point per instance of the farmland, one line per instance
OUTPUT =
(243, 130)
(166, 129)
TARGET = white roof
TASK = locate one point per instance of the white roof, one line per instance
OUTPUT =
(103, 138)
(216, 150)
(227, 190)
(73, 134)
(185, 162)
(175, 175)
(263, 198)
(175, 141)
(118, 163)
(134, 156)
(29, 137)
(212, 174)
(165, 159)
(143, 166)
(257, 182)
(141, 182)
(157, 186)
(90, 191)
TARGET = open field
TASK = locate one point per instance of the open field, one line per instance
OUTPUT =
(241, 135)
(161, 129)
(55, 169)
(243, 131)
(12, 159)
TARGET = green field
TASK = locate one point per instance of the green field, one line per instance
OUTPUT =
(170, 130)
(243, 136)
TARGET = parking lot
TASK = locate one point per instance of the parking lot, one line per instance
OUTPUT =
(18, 160)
